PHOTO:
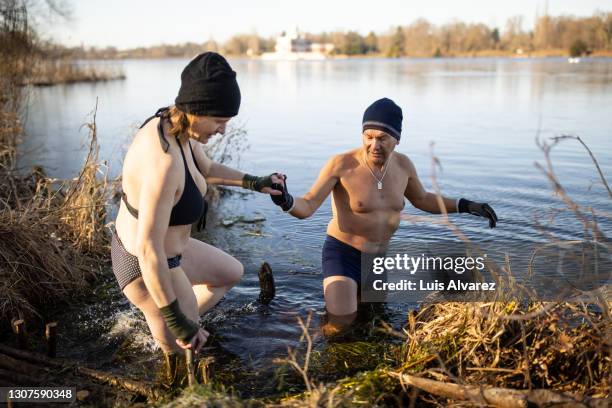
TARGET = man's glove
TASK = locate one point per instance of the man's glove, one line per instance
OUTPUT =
(479, 209)
(257, 183)
(285, 200)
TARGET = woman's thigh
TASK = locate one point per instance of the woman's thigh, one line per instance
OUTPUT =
(205, 264)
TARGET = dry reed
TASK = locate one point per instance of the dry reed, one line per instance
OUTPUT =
(51, 234)
(52, 238)
(563, 347)
(46, 72)
(317, 394)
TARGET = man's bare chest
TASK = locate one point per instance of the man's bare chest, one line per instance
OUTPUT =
(360, 191)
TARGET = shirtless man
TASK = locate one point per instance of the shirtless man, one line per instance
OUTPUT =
(369, 185)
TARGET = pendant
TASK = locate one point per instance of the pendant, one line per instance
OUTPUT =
(380, 185)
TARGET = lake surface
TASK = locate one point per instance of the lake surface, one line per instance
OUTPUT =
(482, 114)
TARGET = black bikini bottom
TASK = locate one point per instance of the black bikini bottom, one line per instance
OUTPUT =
(125, 265)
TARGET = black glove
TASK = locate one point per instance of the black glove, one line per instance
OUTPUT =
(479, 209)
(257, 183)
(179, 325)
(285, 200)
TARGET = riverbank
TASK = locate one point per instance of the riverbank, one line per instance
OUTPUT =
(510, 354)
(553, 53)
(48, 72)
(52, 238)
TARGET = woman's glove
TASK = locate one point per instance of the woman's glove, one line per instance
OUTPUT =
(257, 183)
(179, 325)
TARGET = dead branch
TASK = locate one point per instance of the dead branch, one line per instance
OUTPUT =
(14, 378)
(499, 397)
(138, 387)
(21, 367)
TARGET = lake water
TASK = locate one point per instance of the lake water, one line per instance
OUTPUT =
(482, 114)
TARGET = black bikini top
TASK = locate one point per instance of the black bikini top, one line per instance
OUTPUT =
(191, 207)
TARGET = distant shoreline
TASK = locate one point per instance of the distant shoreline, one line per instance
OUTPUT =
(481, 54)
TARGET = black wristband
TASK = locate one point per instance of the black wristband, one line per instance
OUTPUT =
(256, 183)
(179, 325)
(248, 181)
(463, 205)
(288, 204)
(285, 201)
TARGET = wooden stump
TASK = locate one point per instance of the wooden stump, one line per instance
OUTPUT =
(204, 369)
(266, 284)
(171, 369)
(190, 368)
(19, 329)
(51, 337)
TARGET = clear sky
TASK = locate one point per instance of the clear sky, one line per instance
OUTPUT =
(132, 23)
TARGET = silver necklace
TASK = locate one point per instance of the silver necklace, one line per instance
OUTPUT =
(379, 181)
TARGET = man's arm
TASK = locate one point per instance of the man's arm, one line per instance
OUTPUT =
(424, 200)
(305, 206)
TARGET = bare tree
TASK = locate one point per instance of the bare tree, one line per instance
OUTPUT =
(514, 36)
(420, 40)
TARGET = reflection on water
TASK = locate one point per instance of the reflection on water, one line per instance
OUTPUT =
(482, 114)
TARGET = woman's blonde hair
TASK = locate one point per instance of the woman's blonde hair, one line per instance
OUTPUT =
(180, 123)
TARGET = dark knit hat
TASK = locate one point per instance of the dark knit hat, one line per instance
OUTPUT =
(209, 87)
(384, 115)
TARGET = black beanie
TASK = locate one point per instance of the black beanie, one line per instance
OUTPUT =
(209, 87)
(384, 115)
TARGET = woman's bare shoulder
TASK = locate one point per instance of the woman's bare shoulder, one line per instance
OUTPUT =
(146, 153)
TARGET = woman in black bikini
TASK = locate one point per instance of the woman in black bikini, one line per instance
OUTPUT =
(171, 277)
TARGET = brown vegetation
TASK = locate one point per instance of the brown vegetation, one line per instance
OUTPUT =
(562, 347)
(51, 232)
(47, 72)
(498, 353)
(38, 369)
(550, 36)
(51, 236)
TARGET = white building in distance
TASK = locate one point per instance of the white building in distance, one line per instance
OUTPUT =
(293, 46)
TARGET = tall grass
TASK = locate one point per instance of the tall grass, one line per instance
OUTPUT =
(46, 72)
(52, 238)
(51, 232)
